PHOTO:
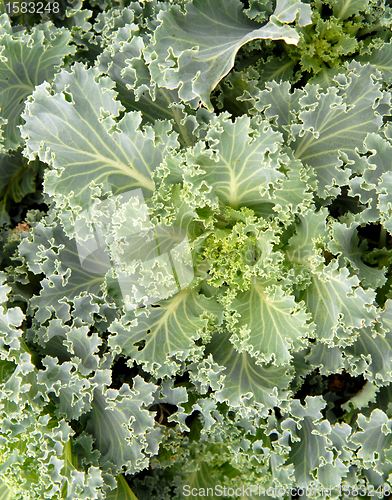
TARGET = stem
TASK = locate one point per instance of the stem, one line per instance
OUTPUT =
(382, 242)
(187, 141)
(365, 31)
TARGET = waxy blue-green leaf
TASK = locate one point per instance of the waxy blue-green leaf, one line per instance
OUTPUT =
(373, 187)
(73, 128)
(372, 354)
(26, 60)
(345, 241)
(85, 348)
(379, 161)
(326, 358)
(366, 397)
(234, 93)
(330, 129)
(10, 318)
(269, 324)
(246, 383)
(278, 101)
(195, 49)
(375, 439)
(381, 58)
(73, 390)
(120, 422)
(259, 10)
(294, 193)
(340, 437)
(385, 316)
(160, 337)
(86, 485)
(241, 164)
(384, 399)
(372, 350)
(145, 256)
(385, 202)
(34, 437)
(328, 474)
(275, 69)
(336, 299)
(287, 11)
(123, 61)
(50, 251)
(309, 438)
(310, 235)
(335, 123)
(175, 211)
(109, 21)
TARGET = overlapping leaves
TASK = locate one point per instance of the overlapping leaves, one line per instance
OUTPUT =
(273, 201)
(26, 61)
(205, 39)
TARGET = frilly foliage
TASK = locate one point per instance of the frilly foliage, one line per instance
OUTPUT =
(229, 322)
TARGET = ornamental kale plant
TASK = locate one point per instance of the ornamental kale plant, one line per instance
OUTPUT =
(196, 249)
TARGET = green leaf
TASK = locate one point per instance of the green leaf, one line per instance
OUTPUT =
(241, 164)
(342, 9)
(27, 59)
(6, 493)
(74, 392)
(375, 440)
(199, 478)
(123, 61)
(120, 423)
(310, 235)
(278, 102)
(17, 179)
(117, 155)
(328, 359)
(385, 205)
(122, 492)
(372, 350)
(381, 58)
(336, 123)
(246, 383)
(287, 11)
(160, 336)
(269, 323)
(275, 69)
(345, 241)
(196, 49)
(363, 398)
(308, 433)
(48, 250)
(85, 348)
(335, 299)
(7, 368)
